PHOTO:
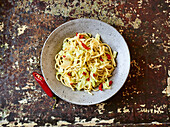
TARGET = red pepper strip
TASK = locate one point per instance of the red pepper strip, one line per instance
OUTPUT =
(43, 84)
(81, 36)
(108, 56)
(84, 46)
(94, 75)
(69, 74)
(76, 33)
(101, 86)
(71, 84)
(84, 73)
(88, 79)
(110, 83)
(101, 59)
(64, 56)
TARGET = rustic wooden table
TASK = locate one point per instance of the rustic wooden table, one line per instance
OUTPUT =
(143, 100)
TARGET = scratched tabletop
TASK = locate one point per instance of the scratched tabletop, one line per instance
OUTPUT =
(144, 98)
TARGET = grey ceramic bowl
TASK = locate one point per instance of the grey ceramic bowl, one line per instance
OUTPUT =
(109, 35)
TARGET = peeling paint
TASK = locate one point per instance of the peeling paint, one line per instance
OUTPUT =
(140, 3)
(13, 47)
(17, 88)
(48, 125)
(23, 101)
(1, 26)
(5, 46)
(19, 124)
(29, 85)
(87, 7)
(167, 89)
(33, 60)
(136, 24)
(152, 66)
(21, 29)
(52, 117)
(123, 110)
(3, 114)
(157, 123)
(60, 123)
(2, 122)
(156, 109)
(166, 48)
(119, 110)
(143, 105)
(110, 112)
(128, 15)
(126, 110)
(138, 69)
(118, 22)
(16, 65)
(100, 108)
(93, 121)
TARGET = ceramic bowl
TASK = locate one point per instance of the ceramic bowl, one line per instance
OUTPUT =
(109, 35)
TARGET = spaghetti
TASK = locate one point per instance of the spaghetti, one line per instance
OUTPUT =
(85, 63)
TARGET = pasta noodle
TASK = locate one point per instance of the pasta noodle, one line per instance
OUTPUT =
(85, 63)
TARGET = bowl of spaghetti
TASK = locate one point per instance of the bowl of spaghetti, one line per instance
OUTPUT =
(85, 61)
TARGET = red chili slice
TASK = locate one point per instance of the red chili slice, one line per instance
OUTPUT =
(84, 73)
(69, 74)
(88, 79)
(108, 56)
(85, 46)
(76, 33)
(81, 36)
(101, 59)
(71, 84)
(64, 56)
(110, 83)
(94, 75)
(101, 86)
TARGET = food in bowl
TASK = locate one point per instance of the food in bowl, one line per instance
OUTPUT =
(85, 63)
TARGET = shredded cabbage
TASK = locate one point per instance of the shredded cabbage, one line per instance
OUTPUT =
(85, 62)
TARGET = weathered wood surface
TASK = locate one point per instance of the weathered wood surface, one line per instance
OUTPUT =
(143, 100)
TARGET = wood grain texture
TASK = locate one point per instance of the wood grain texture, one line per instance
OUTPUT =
(143, 100)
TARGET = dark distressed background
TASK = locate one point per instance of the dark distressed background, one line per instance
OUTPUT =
(143, 100)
